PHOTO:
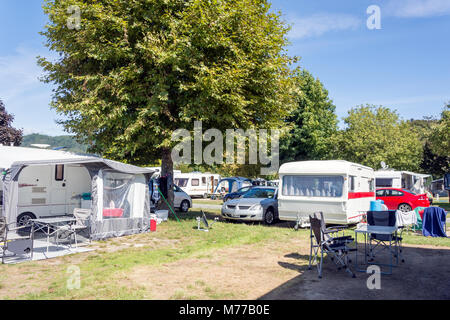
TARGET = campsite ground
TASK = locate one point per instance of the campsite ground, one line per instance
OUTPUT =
(232, 261)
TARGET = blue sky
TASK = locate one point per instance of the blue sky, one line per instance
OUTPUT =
(405, 65)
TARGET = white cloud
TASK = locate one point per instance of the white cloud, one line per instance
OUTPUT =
(318, 24)
(418, 8)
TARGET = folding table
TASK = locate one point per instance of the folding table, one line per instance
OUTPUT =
(50, 226)
(366, 230)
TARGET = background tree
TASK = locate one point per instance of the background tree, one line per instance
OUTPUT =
(440, 136)
(135, 71)
(311, 124)
(431, 162)
(374, 134)
(8, 134)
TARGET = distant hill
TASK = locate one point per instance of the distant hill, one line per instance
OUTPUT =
(55, 142)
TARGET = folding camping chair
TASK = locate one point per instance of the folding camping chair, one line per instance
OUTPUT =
(336, 247)
(82, 219)
(13, 241)
(383, 241)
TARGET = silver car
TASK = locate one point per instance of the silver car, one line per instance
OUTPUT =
(182, 200)
(258, 204)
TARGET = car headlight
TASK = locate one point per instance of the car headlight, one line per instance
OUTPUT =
(256, 207)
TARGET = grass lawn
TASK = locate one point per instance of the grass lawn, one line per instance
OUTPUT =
(116, 269)
(445, 206)
(207, 201)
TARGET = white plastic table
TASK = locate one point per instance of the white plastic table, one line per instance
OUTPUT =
(367, 230)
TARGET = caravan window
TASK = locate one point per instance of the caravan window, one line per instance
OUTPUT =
(203, 181)
(384, 182)
(313, 186)
(59, 172)
(195, 182)
(181, 182)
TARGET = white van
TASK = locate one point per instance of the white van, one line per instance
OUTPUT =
(197, 184)
(340, 189)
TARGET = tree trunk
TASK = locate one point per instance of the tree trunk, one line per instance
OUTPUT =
(167, 171)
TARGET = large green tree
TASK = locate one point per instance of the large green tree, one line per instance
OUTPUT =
(132, 72)
(311, 124)
(8, 134)
(375, 134)
(440, 135)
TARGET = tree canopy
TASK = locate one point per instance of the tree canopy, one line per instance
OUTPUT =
(8, 134)
(374, 134)
(311, 123)
(440, 135)
(135, 71)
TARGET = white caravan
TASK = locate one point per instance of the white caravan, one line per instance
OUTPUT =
(37, 183)
(197, 184)
(340, 189)
(414, 182)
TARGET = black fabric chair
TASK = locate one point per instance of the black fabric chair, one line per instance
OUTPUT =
(322, 242)
(384, 219)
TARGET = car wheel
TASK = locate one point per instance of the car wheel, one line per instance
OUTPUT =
(404, 207)
(205, 196)
(269, 217)
(24, 218)
(184, 207)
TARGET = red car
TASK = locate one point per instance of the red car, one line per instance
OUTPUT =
(400, 199)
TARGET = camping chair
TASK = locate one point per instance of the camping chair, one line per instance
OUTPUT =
(336, 247)
(13, 243)
(82, 219)
(384, 241)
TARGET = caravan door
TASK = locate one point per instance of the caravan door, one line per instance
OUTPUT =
(58, 193)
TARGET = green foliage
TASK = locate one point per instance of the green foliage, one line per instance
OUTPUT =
(138, 70)
(440, 136)
(434, 164)
(68, 142)
(8, 134)
(374, 134)
(431, 135)
(311, 123)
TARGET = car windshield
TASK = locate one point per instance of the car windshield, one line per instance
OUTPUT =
(409, 191)
(260, 193)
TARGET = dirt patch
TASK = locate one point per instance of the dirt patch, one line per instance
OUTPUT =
(244, 272)
(281, 272)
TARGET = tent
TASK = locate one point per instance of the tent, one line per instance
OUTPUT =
(119, 192)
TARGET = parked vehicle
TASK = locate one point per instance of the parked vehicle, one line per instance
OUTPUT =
(258, 204)
(401, 199)
(340, 189)
(230, 185)
(38, 183)
(182, 201)
(414, 182)
(237, 194)
(197, 184)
